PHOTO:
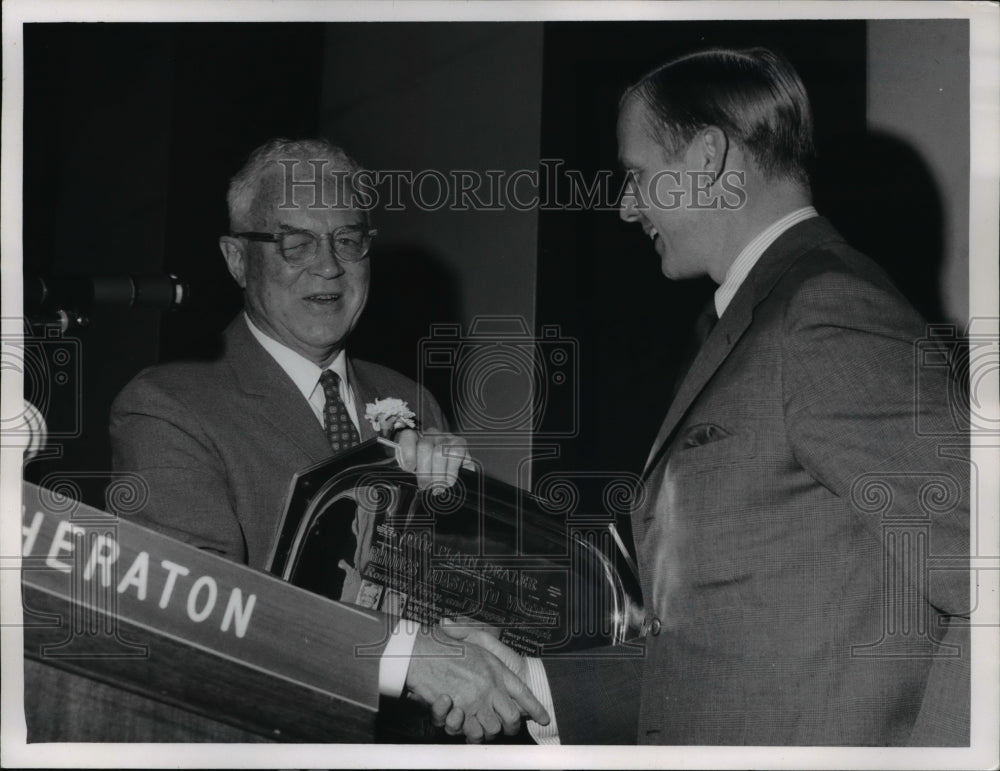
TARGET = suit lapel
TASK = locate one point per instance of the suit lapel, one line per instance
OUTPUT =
(777, 259)
(714, 351)
(364, 393)
(282, 406)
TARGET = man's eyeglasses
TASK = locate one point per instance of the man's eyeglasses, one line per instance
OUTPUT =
(301, 247)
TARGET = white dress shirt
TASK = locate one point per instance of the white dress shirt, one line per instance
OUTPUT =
(305, 374)
(536, 678)
(752, 252)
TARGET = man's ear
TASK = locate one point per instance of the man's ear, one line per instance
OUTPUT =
(712, 147)
(236, 258)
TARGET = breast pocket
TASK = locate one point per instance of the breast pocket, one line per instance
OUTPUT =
(708, 446)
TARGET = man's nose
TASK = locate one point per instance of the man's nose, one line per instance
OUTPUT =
(326, 263)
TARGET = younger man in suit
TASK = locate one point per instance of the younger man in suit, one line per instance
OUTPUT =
(799, 483)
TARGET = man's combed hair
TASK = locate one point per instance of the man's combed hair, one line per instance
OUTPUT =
(267, 159)
(753, 95)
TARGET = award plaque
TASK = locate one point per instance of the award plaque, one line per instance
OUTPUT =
(357, 529)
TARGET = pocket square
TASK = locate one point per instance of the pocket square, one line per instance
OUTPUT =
(702, 434)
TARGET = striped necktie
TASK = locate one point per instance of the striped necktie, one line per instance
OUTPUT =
(340, 431)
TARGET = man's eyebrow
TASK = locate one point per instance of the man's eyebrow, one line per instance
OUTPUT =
(285, 228)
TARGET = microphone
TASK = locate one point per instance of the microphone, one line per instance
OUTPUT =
(32, 426)
(65, 300)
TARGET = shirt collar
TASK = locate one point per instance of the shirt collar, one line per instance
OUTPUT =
(304, 373)
(752, 252)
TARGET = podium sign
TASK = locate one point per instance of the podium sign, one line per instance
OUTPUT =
(357, 529)
(119, 603)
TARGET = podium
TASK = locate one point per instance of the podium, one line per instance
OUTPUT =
(229, 653)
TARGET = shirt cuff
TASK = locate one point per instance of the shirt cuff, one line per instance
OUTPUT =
(395, 661)
(538, 682)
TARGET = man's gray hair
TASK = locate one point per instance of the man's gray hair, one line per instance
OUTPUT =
(301, 157)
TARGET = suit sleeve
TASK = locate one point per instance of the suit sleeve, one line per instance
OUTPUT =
(431, 414)
(596, 698)
(156, 435)
(872, 423)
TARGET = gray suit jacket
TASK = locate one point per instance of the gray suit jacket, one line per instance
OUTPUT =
(218, 442)
(808, 466)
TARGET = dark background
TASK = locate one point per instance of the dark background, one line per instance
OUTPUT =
(131, 132)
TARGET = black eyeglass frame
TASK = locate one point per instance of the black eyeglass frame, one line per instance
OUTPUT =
(275, 238)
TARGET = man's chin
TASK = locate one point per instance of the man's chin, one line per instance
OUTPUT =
(668, 265)
(671, 271)
(322, 354)
(318, 344)
(677, 271)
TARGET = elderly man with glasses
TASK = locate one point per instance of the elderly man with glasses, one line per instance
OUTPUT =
(218, 442)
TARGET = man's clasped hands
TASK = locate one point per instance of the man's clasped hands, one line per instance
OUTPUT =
(472, 682)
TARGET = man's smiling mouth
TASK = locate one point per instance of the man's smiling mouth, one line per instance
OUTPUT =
(323, 298)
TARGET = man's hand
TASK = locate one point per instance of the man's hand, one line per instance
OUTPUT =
(472, 687)
(435, 457)
(444, 712)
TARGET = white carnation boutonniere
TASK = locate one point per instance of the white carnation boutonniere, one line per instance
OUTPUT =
(388, 416)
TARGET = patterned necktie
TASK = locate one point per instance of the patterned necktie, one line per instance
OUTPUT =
(340, 431)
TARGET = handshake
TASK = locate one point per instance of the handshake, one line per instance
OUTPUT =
(472, 682)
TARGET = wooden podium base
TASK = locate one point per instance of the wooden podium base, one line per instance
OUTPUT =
(133, 636)
(60, 706)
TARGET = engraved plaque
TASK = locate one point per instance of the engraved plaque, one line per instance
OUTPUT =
(357, 529)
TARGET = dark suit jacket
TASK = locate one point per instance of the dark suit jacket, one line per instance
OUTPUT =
(218, 442)
(792, 497)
